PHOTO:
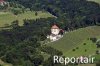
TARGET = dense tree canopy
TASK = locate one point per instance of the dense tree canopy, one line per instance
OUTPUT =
(20, 45)
(71, 14)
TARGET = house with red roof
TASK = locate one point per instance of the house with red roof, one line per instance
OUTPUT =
(55, 30)
(2, 2)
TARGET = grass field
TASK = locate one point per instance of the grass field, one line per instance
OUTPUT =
(97, 1)
(7, 18)
(77, 38)
(4, 64)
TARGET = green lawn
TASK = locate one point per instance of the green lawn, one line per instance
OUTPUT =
(98, 1)
(77, 38)
(7, 18)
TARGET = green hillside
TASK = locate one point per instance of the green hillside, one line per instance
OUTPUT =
(7, 18)
(98, 1)
(4, 64)
(77, 38)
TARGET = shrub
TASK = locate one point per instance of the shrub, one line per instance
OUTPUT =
(85, 50)
(16, 11)
(77, 47)
(84, 44)
(73, 50)
(36, 13)
(1, 65)
(98, 44)
(97, 52)
(93, 39)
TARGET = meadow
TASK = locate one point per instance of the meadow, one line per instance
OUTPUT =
(97, 1)
(76, 40)
(7, 17)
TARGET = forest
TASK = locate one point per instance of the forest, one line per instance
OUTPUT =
(70, 14)
(21, 45)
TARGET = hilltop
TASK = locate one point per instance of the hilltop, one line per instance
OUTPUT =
(77, 38)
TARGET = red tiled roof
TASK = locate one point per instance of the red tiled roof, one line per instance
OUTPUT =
(54, 27)
(1, 0)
